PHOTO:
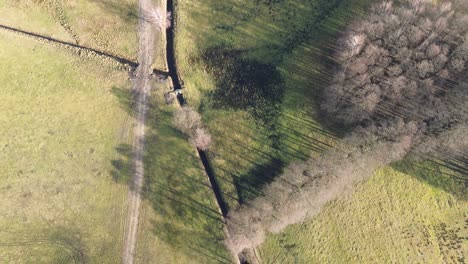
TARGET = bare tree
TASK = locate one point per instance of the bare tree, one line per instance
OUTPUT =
(186, 119)
(413, 40)
(354, 44)
(201, 138)
(159, 17)
(189, 122)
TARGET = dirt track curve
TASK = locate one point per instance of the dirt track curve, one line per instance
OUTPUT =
(141, 89)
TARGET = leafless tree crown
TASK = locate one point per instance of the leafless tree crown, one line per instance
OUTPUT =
(159, 17)
(189, 122)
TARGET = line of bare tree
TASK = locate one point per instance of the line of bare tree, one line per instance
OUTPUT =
(400, 87)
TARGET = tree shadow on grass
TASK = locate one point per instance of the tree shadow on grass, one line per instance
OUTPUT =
(122, 166)
(450, 175)
(188, 241)
(186, 218)
(249, 187)
(249, 80)
(175, 186)
(125, 97)
(245, 84)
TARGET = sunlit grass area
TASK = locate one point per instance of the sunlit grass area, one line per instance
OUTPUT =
(107, 25)
(60, 128)
(393, 217)
(27, 16)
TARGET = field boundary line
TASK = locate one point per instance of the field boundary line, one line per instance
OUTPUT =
(82, 51)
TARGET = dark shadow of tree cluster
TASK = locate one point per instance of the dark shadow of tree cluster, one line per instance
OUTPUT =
(122, 163)
(125, 97)
(248, 79)
(245, 84)
(249, 187)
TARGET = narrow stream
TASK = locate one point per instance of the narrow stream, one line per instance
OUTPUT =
(177, 85)
(170, 48)
(214, 183)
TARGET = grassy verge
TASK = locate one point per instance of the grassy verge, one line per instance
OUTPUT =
(107, 25)
(160, 62)
(60, 127)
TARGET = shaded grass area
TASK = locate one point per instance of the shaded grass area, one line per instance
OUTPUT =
(244, 84)
(107, 25)
(256, 74)
(392, 217)
(450, 175)
(180, 222)
(60, 126)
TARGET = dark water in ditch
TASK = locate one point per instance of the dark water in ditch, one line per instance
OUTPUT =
(178, 84)
(170, 48)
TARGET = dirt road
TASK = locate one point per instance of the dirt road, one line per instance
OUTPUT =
(141, 88)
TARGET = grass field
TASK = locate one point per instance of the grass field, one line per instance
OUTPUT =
(60, 128)
(392, 218)
(106, 25)
(31, 18)
(276, 51)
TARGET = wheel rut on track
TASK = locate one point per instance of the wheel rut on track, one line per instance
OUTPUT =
(141, 89)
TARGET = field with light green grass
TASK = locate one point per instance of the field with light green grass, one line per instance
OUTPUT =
(290, 42)
(60, 127)
(393, 217)
(106, 25)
